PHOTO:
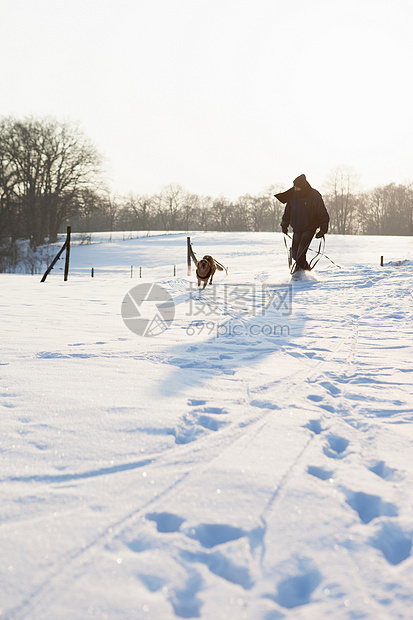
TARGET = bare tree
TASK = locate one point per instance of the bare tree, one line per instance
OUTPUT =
(47, 164)
(261, 212)
(171, 202)
(142, 209)
(238, 216)
(205, 213)
(388, 210)
(340, 199)
(275, 207)
(192, 212)
(221, 208)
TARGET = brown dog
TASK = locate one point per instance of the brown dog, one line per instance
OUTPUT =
(205, 269)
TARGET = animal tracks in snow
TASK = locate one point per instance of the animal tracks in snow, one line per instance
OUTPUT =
(193, 425)
(394, 543)
(358, 392)
(198, 421)
(223, 549)
(179, 557)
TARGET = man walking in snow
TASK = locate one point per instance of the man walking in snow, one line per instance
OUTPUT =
(305, 212)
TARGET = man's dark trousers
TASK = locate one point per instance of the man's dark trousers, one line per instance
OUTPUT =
(301, 241)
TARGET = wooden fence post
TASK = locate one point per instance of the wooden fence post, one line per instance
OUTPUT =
(56, 258)
(69, 230)
(188, 257)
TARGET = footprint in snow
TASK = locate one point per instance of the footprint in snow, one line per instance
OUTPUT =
(139, 544)
(264, 404)
(381, 469)
(152, 582)
(210, 423)
(328, 408)
(187, 431)
(336, 446)
(166, 522)
(393, 542)
(213, 534)
(314, 426)
(185, 601)
(222, 566)
(331, 388)
(296, 590)
(320, 472)
(315, 398)
(209, 536)
(215, 410)
(195, 423)
(369, 507)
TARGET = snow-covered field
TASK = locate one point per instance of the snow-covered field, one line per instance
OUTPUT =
(253, 460)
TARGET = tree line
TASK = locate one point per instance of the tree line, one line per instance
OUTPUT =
(386, 210)
(51, 175)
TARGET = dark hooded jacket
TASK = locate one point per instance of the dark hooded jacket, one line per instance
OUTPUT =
(305, 210)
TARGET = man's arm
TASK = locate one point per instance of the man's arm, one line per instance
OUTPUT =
(323, 216)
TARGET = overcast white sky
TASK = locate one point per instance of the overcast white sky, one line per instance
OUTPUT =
(219, 96)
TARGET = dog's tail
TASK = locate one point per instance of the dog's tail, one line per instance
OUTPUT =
(221, 267)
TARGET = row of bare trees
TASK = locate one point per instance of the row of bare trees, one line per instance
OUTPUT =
(51, 175)
(386, 210)
(173, 208)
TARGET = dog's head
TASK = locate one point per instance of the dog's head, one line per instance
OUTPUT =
(204, 265)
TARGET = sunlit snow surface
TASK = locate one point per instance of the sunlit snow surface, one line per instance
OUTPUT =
(251, 460)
